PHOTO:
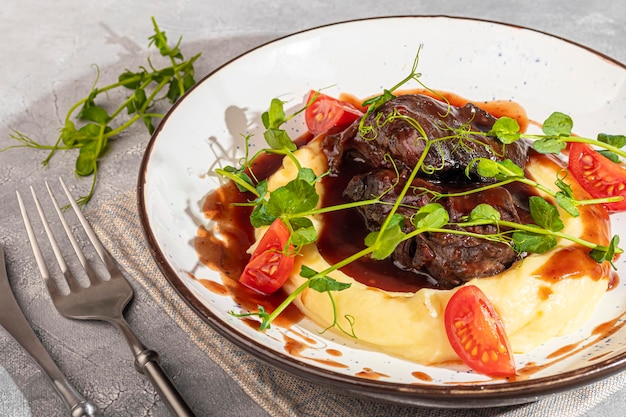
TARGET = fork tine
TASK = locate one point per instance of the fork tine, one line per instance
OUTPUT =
(41, 264)
(99, 248)
(68, 231)
(83, 221)
(71, 281)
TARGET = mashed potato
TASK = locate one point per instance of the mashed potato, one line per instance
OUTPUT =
(539, 298)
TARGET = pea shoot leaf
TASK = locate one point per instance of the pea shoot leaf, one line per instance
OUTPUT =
(484, 211)
(385, 241)
(278, 139)
(618, 141)
(603, 253)
(272, 119)
(377, 101)
(303, 231)
(499, 170)
(137, 101)
(545, 214)
(296, 196)
(612, 156)
(261, 188)
(326, 284)
(565, 198)
(308, 175)
(260, 217)
(567, 203)
(549, 146)
(131, 80)
(506, 129)
(558, 124)
(431, 216)
(307, 272)
(241, 178)
(94, 114)
(565, 188)
(322, 284)
(68, 133)
(275, 116)
(525, 241)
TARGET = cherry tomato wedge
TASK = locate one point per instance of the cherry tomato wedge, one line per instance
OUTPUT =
(269, 266)
(327, 112)
(476, 333)
(598, 175)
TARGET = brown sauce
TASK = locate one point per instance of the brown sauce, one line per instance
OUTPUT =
(422, 376)
(497, 108)
(563, 350)
(371, 374)
(307, 339)
(343, 235)
(223, 248)
(545, 292)
(613, 280)
(600, 356)
(599, 333)
(296, 348)
(213, 286)
(344, 231)
(574, 261)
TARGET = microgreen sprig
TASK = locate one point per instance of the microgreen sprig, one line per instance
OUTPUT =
(557, 132)
(374, 103)
(532, 238)
(319, 282)
(507, 172)
(98, 126)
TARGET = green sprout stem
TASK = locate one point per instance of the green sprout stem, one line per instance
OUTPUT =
(282, 306)
(98, 127)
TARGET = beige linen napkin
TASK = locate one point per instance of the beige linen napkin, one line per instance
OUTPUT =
(280, 394)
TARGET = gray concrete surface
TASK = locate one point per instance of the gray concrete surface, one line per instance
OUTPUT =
(47, 51)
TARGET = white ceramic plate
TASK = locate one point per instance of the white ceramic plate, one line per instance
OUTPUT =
(478, 60)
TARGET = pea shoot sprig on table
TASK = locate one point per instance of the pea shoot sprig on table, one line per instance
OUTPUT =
(297, 200)
(148, 86)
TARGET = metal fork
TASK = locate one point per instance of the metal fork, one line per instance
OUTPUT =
(103, 299)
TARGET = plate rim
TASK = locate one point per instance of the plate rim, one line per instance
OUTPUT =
(453, 396)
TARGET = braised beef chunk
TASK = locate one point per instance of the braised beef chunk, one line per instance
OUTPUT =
(449, 259)
(394, 134)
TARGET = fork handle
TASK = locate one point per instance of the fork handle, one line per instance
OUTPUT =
(147, 363)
